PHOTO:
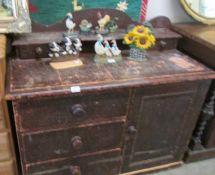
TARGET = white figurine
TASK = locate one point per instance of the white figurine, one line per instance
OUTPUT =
(99, 48)
(68, 45)
(77, 44)
(69, 23)
(56, 50)
(114, 48)
(107, 49)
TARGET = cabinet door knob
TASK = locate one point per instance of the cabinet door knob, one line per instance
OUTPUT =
(132, 130)
(78, 111)
(77, 143)
(75, 170)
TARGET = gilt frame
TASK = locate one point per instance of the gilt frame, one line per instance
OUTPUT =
(20, 21)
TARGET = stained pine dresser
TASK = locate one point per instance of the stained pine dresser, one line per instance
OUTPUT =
(106, 119)
(7, 158)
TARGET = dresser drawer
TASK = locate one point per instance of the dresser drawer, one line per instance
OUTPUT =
(49, 113)
(99, 164)
(5, 152)
(32, 51)
(72, 142)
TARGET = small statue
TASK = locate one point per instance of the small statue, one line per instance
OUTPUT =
(68, 45)
(112, 25)
(102, 22)
(108, 51)
(55, 50)
(114, 48)
(99, 47)
(70, 24)
(85, 26)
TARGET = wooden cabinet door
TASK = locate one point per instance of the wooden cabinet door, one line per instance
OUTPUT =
(160, 124)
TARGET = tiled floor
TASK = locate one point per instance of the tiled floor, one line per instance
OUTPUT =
(206, 167)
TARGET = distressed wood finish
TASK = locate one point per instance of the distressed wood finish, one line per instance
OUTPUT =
(199, 41)
(101, 163)
(160, 137)
(45, 146)
(70, 111)
(137, 114)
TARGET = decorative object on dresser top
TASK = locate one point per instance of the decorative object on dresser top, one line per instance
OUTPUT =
(199, 41)
(7, 157)
(14, 16)
(109, 118)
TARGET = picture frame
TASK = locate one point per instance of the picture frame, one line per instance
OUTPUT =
(14, 16)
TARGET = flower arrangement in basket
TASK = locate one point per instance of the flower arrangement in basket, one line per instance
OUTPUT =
(139, 39)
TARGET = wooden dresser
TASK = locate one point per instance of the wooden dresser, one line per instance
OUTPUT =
(107, 119)
(199, 41)
(7, 159)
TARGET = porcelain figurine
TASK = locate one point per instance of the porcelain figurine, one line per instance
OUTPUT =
(114, 48)
(77, 44)
(70, 24)
(55, 50)
(112, 25)
(68, 45)
(102, 22)
(99, 47)
(85, 26)
(108, 51)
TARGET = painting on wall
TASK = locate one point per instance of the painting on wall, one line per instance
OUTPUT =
(49, 12)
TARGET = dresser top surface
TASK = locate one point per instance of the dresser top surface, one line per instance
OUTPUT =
(199, 32)
(30, 78)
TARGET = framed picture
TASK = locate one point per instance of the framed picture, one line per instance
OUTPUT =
(14, 16)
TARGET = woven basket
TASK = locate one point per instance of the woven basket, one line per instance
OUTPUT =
(137, 54)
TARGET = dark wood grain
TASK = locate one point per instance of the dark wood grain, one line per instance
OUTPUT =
(58, 112)
(36, 78)
(102, 163)
(160, 136)
(53, 144)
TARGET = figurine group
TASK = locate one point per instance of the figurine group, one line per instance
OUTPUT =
(71, 44)
(103, 48)
(68, 46)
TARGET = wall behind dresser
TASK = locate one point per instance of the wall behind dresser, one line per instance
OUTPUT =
(170, 8)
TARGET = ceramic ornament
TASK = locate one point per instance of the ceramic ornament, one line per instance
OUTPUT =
(55, 50)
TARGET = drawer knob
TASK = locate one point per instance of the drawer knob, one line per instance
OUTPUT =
(75, 170)
(77, 143)
(38, 51)
(78, 111)
(132, 130)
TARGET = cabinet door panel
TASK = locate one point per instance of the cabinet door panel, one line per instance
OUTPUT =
(164, 117)
(159, 125)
